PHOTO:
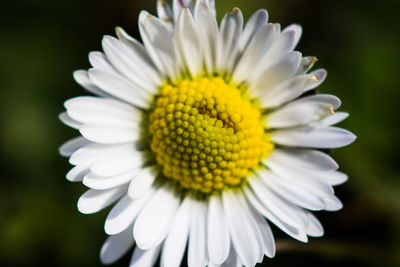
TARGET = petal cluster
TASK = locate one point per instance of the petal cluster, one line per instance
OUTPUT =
(229, 227)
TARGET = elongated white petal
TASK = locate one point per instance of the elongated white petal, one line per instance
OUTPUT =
(72, 145)
(255, 23)
(88, 154)
(120, 87)
(164, 12)
(309, 181)
(244, 233)
(67, 120)
(109, 133)
(254, 52)
(291, 192)
(155, 219)
(100, 183)
(333, 203)
(297, 29)
(230, 32)
(99, 61)
(315, 137)
(86, 109)
(334, 118)
(232, 260)
(320, 76)
(124, 213)
(283, 45)
(93, 201)
(142, 182)
(107, 166)
(178, 5)
(208, 30)
(275, 75)
(187, 40)
(314, 227)
(284, 210)
(303, 111)
(82, 78)
(77, 173)
(266, 234)
(218, 234)
(130, 63)
(159, 44)
(333, 177)
(177, 238)
(306, 64)
(144, 258)
(262, 209)
(306, 159)
(197, 248)
(116, 246)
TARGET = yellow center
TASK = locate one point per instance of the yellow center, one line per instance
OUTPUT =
(206, 135)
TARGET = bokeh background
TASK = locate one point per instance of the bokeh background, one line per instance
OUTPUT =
(43, 41)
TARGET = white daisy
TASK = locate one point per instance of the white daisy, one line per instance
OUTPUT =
(200, 134)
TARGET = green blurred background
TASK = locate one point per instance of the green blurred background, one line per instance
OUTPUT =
(42, 42)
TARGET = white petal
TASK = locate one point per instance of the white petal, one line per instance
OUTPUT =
(296, 28)
(77, 173)
(262, 209)
(333, 177)
(230, 32)
(306, 64)
(116, 246)
(155, 219)
(86, 109)
(142, 182)
(274, 75)
(232, 260)
(159, 44)
(120, 87)
(67, 120)
(124, 213)
(255, 23)
(308, 180)
(254, 52)
(284, 92)
(178, 5)
(93, 201)
(319, 77)
(144, 258)
(187, 41)
(130, 63)
(82, 77)
(333, 203)
(208, 29)
(303, 111)
(99, 61)
(283, 45)
(177, 238)
(72, 145)
(109, 165)
(218, 234)
(306, 159)
(291, 192)
(197, 248)
(282, 209)
(88, 154)
(244, 232)
(334, 118)
(314, 227)
(266, 233)
(146, 63)
(109, 133)
(98, 182)
(164, 12)
(315, 137)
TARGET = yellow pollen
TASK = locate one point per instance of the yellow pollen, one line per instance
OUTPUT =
(206, 135)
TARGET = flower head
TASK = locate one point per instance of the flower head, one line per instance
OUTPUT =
(199, 134)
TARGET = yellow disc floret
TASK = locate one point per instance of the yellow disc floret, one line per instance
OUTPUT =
(206, 135)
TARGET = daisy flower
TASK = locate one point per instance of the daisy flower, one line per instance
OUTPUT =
(202, 136)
